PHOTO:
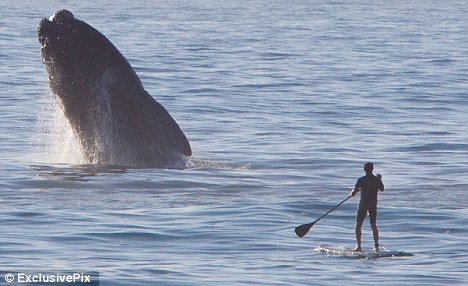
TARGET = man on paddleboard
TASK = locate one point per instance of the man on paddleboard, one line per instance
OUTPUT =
(369, 185)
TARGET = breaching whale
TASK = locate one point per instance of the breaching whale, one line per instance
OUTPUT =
(113, 117)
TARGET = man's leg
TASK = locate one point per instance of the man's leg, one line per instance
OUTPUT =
(358, 236)
(375, 231)
(361, 215)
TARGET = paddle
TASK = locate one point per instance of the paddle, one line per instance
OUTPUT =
(304, 229)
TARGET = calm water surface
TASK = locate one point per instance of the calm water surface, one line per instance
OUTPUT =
(282, 103)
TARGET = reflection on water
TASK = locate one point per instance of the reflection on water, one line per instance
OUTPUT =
(81, 173)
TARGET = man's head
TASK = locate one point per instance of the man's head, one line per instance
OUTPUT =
(368, 167)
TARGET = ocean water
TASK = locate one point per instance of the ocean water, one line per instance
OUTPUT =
(282, 101)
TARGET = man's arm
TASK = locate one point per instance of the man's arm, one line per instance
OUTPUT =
(381, 186)
(356, 189)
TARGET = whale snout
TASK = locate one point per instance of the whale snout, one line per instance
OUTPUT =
(61, 16)
(53, 31)
(59, 20)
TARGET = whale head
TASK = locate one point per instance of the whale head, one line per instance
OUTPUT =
(114, 118)
(75, 53)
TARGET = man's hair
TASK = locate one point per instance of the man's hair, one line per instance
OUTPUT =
(369, 165)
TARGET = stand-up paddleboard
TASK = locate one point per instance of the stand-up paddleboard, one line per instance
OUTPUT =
(365, 254)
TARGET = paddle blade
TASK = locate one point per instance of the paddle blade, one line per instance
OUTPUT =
(303, 229)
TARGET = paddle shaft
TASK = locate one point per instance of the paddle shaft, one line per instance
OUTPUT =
(304, 229)
(331, 210)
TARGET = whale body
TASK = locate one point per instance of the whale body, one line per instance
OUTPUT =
(114, 119)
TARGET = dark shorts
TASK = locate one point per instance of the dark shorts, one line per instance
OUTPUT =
(362, 212)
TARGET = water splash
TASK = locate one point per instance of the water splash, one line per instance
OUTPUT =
(202, 163)
(55, 136)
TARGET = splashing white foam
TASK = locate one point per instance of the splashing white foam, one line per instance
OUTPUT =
(194, 162)
(55, 136)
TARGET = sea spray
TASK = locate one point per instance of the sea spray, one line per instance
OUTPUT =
(54, 136)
